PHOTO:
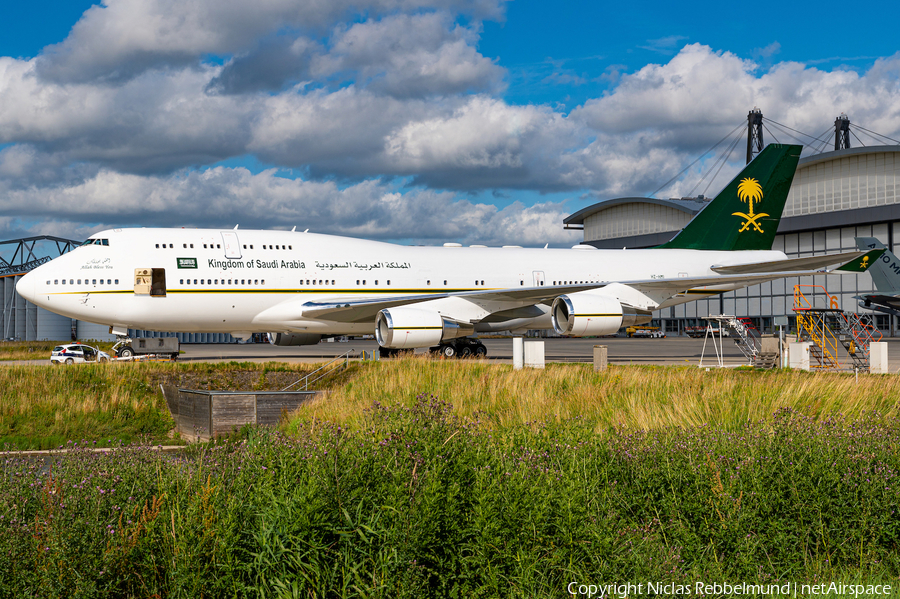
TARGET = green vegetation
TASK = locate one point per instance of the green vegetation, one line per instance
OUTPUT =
(529, 481)
(39, 350)
(418, 502)
(45, 406)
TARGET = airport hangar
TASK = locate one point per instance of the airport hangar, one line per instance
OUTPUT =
(835, 196)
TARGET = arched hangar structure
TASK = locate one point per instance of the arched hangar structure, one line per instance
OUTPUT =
(835, 196)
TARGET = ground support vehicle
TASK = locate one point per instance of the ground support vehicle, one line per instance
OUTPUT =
(700, 331)
(146, 346)
(645, 332)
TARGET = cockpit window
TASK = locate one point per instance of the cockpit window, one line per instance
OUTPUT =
(96, 242)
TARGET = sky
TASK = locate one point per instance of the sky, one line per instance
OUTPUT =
(415, 121)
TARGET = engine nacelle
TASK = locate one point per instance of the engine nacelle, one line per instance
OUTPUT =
(586, 314)
(294, 338)
(402, 328)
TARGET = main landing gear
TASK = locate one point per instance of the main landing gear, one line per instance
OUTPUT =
(457, 348)
(460, 348)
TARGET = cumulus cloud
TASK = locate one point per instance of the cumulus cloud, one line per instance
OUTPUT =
(405, 56)
(122, 38)
(223, 197)
(664, 115)
(385, 107)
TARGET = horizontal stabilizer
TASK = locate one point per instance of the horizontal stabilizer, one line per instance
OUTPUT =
(863, 263)
(793, 264)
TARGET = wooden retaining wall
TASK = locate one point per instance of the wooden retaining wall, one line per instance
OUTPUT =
(206, 414)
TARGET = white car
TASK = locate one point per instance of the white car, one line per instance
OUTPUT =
(77, 353)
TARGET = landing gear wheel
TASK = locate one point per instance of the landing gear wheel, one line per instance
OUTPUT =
(448, 351)
(126, 352)
(480, 350)
(465, 351)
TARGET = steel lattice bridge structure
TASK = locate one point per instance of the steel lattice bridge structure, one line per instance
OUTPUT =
(25, 257)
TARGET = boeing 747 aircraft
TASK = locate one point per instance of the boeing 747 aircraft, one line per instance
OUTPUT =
(299, 287)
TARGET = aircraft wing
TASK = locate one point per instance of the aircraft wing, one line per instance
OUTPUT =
(806, 263)
(357, 309)
(880, 302)
(883, 299)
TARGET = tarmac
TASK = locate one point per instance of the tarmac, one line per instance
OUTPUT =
(684, 351)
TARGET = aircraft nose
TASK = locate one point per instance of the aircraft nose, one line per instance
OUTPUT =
(25, 286)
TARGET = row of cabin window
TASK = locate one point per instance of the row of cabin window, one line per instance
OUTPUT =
(223, 282)
(572, 282)
(208, 246)
(86, 282)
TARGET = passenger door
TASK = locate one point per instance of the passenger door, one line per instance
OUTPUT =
(231, 244)
(150, 281)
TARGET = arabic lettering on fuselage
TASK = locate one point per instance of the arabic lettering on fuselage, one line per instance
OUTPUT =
(360, 266)
(98, 264)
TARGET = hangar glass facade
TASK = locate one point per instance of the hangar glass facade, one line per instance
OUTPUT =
(861, 180)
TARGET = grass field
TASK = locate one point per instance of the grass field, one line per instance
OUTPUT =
(38, 350)
(42, 407)
(421, 478)
(636, 397)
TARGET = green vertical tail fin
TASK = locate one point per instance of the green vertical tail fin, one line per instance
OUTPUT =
(745, 215)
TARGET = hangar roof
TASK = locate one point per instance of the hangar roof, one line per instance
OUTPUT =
(689, 205)
(835, 154)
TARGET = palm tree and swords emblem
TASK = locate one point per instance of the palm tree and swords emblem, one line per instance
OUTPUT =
(749, 190)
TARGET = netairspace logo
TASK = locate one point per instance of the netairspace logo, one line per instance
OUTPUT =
(719, 589)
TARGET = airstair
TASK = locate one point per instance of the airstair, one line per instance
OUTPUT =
(745, 336)
(829, 328)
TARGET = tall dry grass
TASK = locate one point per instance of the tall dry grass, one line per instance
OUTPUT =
(632, 396)
(44, 406)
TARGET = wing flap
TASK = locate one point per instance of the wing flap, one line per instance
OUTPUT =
(355, 310)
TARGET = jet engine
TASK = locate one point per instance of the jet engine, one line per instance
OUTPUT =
(402, 328)
(586, 314)
(294, 338)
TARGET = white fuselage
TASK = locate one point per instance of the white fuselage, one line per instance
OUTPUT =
(209, 280)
